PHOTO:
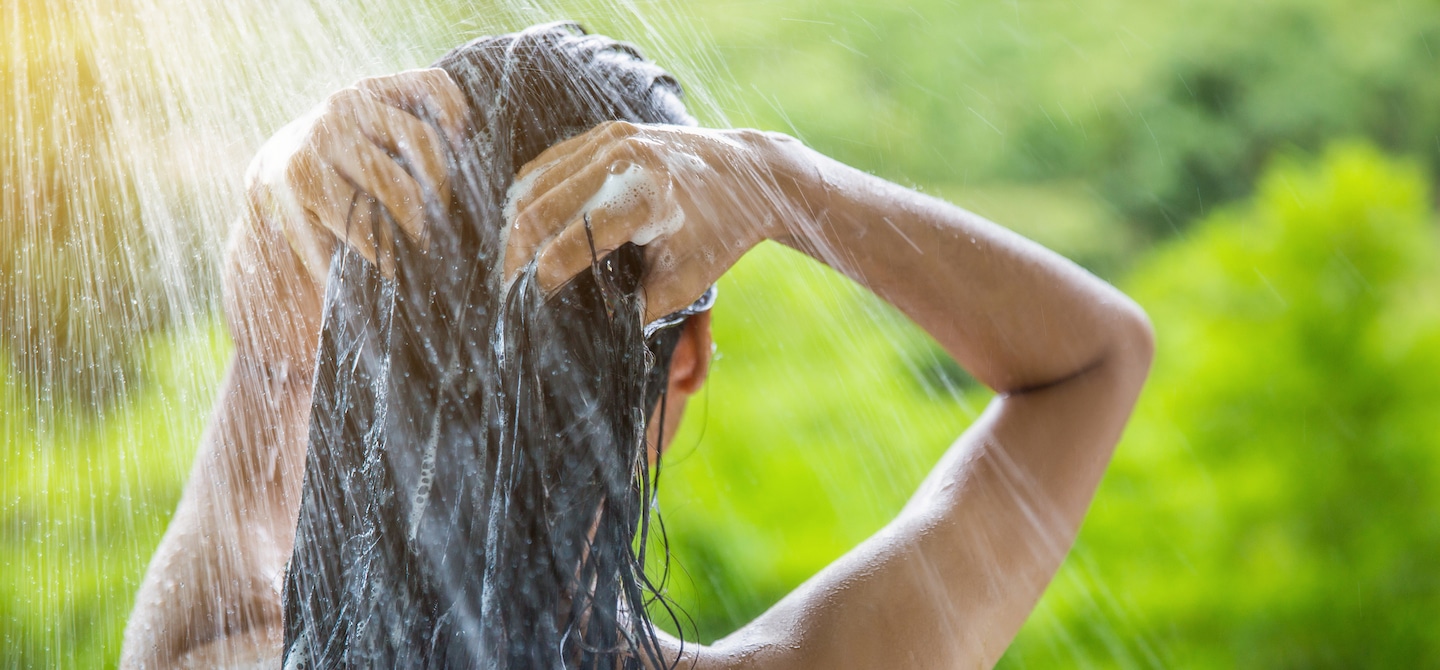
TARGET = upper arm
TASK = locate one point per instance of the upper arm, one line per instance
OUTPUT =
(950, 581)
(216, 572)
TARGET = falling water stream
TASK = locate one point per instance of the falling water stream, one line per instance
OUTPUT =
(125, 130)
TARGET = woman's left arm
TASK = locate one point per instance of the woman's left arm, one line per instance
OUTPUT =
(950, 581)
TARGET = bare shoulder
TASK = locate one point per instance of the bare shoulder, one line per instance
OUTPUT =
(722, 655)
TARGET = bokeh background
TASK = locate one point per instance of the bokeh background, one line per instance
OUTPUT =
(1259, 174)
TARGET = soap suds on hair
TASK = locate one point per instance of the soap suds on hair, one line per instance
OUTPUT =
(520, 188)
(625, 190)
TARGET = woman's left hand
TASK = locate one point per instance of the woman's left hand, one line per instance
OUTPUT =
(696, 199)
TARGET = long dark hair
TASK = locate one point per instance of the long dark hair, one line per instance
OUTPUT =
(477, 488)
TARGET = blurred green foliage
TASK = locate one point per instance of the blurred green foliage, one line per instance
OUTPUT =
(823, 411)
(83, 505)
(1110, 123)
(1270, 503)
(1237, 88)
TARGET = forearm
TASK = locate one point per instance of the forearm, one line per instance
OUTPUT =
(1013, 313)
(959, 570)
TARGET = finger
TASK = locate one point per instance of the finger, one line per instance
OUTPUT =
(429, 92)
(599, 136)
(371, 170)
(549, 215)
(371, 232)
(412, 139)
(581, 244)
(561, 161)
(336, 212)
(673, 281)
(385, 242)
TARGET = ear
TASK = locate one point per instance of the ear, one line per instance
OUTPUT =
(690, 364)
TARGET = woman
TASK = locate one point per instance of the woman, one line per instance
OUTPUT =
(946, 584)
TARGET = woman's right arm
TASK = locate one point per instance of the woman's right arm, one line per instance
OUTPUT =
(211, 597)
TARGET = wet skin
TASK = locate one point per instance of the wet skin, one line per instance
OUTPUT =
(946, 584)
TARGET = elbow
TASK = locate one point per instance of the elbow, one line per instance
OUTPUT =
(1133, 347)
(1124, 347)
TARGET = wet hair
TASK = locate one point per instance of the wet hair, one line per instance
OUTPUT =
(477, 492)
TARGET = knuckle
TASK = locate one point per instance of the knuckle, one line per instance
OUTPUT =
(751, 135)
(429, 140)
(345, 98)
(636, 149)
(369, 84)
(296, 172)
(621, 128)
(412, 192)
(431, 75)
(778, 138)
(522, 231)
(648, 154)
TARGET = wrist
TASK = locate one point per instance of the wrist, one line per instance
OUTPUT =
(801, 191)
(820, 193)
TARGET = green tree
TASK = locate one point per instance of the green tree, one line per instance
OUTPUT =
(83, 505)
(1241, 83)
(1273, 502)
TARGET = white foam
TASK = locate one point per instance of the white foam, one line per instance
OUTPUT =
(621, 191)
(520, 188)
(632, 187)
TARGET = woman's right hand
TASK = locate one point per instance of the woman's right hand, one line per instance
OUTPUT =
(333, 175)
(375, 146)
